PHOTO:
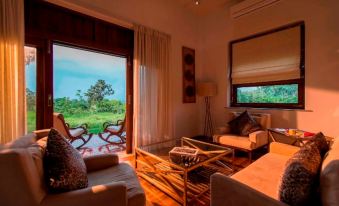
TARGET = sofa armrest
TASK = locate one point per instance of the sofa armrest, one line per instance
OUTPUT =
(283, 149)
(102, 161)
(114, 194)
(41, 133)
(259, 137)
(226, 191)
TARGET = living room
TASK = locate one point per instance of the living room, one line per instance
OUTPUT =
(207, 29)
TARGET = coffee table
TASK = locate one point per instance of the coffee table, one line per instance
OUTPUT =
(185, 184)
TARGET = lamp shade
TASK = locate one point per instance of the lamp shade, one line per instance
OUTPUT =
(206, 89)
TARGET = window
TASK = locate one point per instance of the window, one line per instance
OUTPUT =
(267, 69)
(30, 72)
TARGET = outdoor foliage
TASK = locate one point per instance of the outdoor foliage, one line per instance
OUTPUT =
(96, 93)
(268, 94)
(93, 110)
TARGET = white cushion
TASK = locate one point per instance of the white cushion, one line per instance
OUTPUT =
(76, 132)
(235, 141)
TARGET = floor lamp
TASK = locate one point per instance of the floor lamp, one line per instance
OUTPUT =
(207, 90)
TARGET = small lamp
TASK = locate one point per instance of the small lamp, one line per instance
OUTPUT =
(207, 90)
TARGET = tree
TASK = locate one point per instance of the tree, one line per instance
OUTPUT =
(96, 93)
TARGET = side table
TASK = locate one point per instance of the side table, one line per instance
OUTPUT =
(298, 139)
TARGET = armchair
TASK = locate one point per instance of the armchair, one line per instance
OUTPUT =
(248, 144)
(72, 134)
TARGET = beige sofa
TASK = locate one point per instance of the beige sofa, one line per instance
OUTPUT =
(248, 144)
(22, 179)
(258, 184)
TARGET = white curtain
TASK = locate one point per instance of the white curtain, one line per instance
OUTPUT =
(12, 73)
(151, 86)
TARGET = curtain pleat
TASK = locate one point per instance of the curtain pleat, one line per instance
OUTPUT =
(151, 86)
(12, 73)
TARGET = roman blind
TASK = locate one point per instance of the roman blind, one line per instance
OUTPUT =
(270, 57)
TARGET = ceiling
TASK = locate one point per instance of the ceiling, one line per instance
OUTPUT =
(206, 7)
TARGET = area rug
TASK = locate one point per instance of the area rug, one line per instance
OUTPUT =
(97, 146)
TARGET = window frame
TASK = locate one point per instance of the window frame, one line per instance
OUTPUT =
(300, 82)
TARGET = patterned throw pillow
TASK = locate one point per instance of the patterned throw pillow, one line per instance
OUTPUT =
(301, 177)
(243, 125)
(321, 142)
(64, 167)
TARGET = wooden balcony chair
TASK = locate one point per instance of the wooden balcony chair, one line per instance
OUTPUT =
(114, 129)
(72, 134)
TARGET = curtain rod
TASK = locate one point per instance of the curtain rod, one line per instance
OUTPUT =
(90, 12)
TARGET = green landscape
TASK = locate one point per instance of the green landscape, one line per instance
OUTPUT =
(90, 107)
(268, 94)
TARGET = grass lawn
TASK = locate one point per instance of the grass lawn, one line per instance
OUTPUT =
(94, 121)
(31, 121)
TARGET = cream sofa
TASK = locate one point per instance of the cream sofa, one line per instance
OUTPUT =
(258, 184)
(248, 144)
(22, 179)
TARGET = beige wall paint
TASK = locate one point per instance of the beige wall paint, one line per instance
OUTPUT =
(322, 59)
(169, 17)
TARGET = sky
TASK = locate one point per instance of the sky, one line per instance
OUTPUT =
(75, 69)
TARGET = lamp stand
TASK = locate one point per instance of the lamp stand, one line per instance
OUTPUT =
(208, 130)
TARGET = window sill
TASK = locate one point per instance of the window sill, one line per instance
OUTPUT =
(277, 109)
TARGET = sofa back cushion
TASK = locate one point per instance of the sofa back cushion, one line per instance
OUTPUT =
(263, 119)
(22, 142)
(329, 176)
(21, 183)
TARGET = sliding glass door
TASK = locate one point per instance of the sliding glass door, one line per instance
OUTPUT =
(88, 86)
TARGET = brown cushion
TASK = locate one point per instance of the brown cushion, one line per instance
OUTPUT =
(65, 169)
(243, 125)
(301, 177)
(321, 142)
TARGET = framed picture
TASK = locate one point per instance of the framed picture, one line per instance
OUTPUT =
(188, 73)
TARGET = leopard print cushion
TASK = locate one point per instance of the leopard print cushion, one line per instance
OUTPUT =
(65, 170)
(321, 142)
(300, 180)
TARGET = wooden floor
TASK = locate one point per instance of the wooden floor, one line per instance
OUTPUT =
(155, 197)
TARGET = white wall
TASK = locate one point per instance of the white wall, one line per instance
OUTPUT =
(171, 18)
(322, 59)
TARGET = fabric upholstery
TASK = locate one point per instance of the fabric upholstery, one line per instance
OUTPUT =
(264, 119)
(258, 184)
(283, 149)
(226, 191)
(76, 132)
(23, 142)
(99, 162)
(264, 174)
(299, 182)
(120, 172)
(65, 169)
(329, 176)
(109, 194)
(234, 141)
(254, 139)
(321, 142)
(12, 70)
(243, 124)
(22, 182)
(260, 138)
